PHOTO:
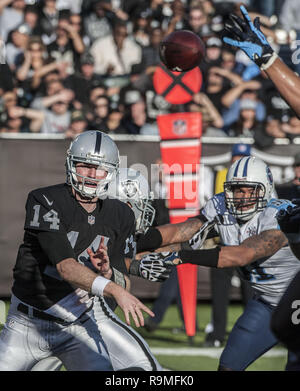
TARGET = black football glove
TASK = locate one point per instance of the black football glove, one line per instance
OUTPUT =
(249, 38)
(288, 219)
(155, 266)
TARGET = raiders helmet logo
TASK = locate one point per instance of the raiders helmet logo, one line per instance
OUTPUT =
(130, 188)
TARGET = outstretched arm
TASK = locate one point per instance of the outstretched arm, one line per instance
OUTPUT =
(247, 35)
(190, 234)
(178, 233)
(252, 249)
(287, 83)
(256, 247)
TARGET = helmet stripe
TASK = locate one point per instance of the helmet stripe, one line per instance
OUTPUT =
(237, 168)
(246, 167)
(98, 142)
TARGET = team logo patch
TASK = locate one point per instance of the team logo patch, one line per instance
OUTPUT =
(91, 220)
(179, 127)
(251, 231)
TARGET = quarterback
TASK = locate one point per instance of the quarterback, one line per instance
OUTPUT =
(66, 226)
(126, 348)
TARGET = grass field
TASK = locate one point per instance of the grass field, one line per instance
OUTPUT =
(182, 355)
(163, 337)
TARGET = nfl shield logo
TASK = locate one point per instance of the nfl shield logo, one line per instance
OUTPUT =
(179, 127)
(91, 220)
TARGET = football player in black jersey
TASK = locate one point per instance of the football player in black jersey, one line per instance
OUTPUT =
(126, 348)
(285, 321)
(66, 226)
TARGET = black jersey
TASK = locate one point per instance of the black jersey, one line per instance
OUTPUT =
(72, 230)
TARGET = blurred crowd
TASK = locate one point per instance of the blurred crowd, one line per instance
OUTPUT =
(72, 65)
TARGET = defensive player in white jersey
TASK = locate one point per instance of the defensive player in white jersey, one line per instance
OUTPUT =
(244, 216)
(246, 34)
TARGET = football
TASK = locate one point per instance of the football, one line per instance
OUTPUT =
(181, 50)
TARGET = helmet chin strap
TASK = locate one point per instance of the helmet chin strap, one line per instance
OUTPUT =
(83, 199)
(245, 215)
(244, 218)
(89, 191)
(248, 214)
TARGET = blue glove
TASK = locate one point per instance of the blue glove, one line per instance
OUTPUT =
(250, 39)
(289, 218)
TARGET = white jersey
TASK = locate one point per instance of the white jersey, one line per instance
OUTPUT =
(268, 276)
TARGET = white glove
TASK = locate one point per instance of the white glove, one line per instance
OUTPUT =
(154, 266)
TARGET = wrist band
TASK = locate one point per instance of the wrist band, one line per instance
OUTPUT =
(274, 56)
(98, 285)
(149, 241)
(208, 257)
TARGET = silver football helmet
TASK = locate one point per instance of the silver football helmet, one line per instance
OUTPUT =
(131, 187)
(96, 148)
(253, 172)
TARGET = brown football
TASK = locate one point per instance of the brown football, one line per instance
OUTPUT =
(181, 50)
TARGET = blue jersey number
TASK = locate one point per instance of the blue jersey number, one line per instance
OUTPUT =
(255, 273)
